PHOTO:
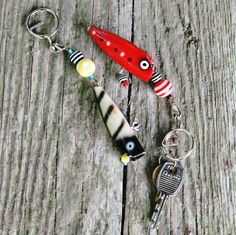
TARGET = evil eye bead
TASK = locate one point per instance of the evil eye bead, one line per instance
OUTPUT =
(163, 88)
(125, 159)
(144, 64)
(85, 68)
(130, 146)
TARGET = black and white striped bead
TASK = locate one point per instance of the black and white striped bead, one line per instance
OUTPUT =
(156, 77)
(76, 56)
(122, 78)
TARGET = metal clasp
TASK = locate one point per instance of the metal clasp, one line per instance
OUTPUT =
(175, 112)
(53, 46)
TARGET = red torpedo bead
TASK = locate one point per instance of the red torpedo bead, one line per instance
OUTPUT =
(163, 88)
(125, 53)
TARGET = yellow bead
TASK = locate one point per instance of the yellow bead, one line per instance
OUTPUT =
(125, 159)
(85, 68)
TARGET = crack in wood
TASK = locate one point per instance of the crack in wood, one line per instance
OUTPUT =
(125, 168)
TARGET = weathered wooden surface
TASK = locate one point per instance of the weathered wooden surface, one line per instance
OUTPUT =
(59, 172)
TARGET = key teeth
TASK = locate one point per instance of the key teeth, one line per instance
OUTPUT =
(154, 216)
(152, 226)
(155, 225)
(157, 212)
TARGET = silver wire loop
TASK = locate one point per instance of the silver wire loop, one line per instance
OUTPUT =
(31, 28)
(53, 46)
(175, 112)
(176, 115)
(56, 47)
(166, 146)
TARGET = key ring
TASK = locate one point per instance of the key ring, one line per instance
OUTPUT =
(31, 28)
(169, 135)
(54, 47)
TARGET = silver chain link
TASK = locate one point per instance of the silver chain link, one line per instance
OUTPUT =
(175, 113)
(56, 47)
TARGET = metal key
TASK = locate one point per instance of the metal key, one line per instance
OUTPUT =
(168, 182)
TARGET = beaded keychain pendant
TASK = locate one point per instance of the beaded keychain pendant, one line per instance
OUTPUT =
(122, 133)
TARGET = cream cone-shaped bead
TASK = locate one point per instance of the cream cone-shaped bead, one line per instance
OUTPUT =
(85, 68)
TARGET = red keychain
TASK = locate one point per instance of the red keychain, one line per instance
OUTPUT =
(132, 58)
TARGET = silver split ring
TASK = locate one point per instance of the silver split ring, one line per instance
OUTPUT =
(31, 28)
(169, 135)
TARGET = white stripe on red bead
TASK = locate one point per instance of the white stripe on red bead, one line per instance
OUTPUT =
(163, 88)
(160, 84)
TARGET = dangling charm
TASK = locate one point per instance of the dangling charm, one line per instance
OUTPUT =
(123, 79)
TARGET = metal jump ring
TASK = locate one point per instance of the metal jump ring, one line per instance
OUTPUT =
(168, 135)
(30, 28)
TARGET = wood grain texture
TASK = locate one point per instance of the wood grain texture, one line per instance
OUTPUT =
(60, 173)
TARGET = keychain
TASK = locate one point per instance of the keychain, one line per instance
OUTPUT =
(118, 127)
(168, 175)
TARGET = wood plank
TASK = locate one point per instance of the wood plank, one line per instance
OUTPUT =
(204, 89)
(57, 176)
(89, 184)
